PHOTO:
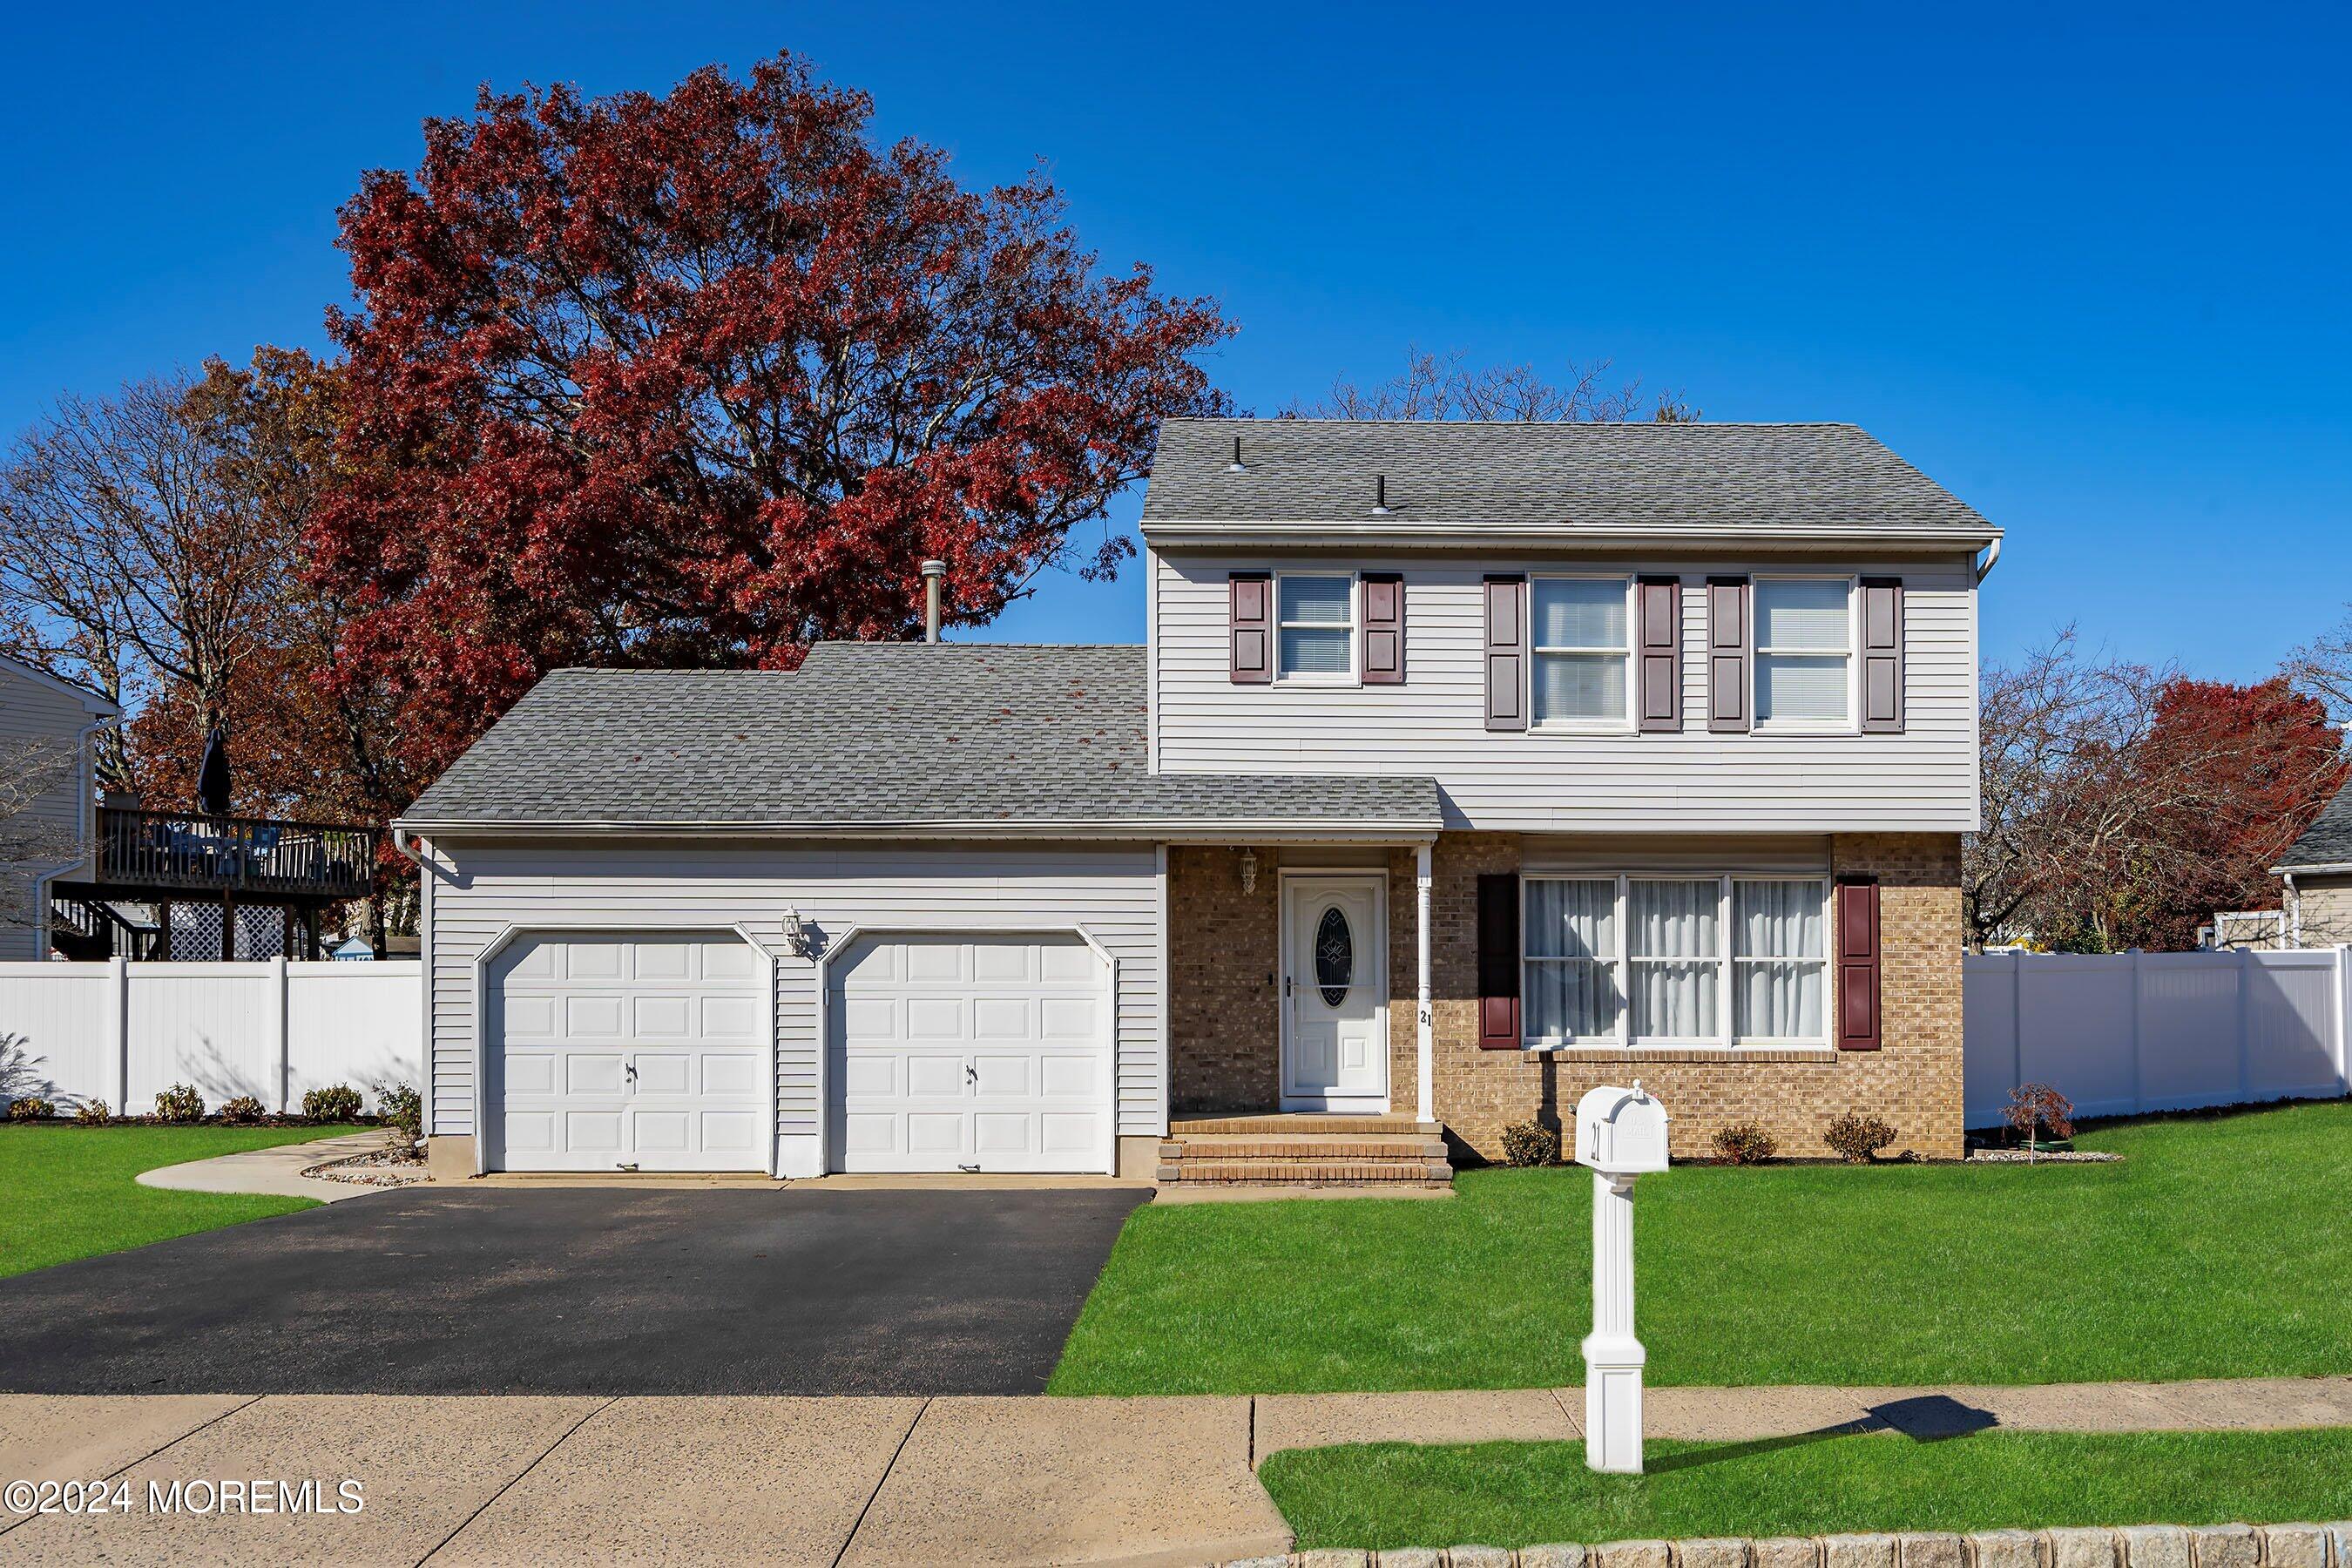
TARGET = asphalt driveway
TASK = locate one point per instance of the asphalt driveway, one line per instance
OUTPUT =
(581, 1291)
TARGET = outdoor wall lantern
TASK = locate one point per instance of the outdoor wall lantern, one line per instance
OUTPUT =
(1249, 870)
(1621, 1133)
(795, 932)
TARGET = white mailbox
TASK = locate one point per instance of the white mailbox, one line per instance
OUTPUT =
(1621, 1130)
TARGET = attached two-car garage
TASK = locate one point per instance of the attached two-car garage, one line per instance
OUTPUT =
(655, 1051)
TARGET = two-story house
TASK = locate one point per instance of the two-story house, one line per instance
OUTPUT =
(48, 765)
(1465, 766)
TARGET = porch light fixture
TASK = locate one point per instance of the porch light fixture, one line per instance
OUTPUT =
(1249, 870)
(795, 934)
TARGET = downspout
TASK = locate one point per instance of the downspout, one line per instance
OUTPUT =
(2294, 911)
(411, 847)
(84, 830)
(1992, 554)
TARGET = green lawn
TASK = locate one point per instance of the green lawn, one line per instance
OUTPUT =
(2219, 1247)
(1519, 1494)
(68, 1191)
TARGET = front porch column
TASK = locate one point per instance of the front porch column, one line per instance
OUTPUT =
(1426, 1060)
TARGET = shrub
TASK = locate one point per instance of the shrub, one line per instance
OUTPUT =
(403, 1110)
(93, 1113)
(336, 1102)
(1532, 1143)
(1858, 1139)
(2035, 1107)
(243, 1111)
(31, 1108)
(1744, 1144)
(181, 1102)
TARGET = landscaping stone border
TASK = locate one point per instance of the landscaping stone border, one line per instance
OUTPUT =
(2135, 1546)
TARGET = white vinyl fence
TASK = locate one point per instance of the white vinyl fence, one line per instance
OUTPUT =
(122, 1032)
(2123, 1033)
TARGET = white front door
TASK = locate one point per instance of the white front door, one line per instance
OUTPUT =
(612, 1051)
(1335, 1053)
(967, 1052)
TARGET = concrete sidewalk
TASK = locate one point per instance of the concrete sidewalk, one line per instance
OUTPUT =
(877, 1482)
(275, 1171)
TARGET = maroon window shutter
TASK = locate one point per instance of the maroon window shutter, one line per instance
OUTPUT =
(1506, 653)
(1384, 628)
(1857, 964)
(1882, 656)
(1498, 962)
(1727, 655)
(1658, 673)
(1253, 627)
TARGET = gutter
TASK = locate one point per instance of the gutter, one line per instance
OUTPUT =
(1276, 532)
(1232, 830)
(2323, 868)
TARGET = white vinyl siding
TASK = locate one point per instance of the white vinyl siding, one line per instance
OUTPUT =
(1110, 891)
(1544, 780)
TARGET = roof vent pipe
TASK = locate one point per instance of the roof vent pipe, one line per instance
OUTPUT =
(1380, 495)
(1235, 466)
(933, 570)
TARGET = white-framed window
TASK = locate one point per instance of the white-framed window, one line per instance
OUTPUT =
(1804, 653)
(1581, 673)
(1779, 947)
(1315, 628)
(1658, 960)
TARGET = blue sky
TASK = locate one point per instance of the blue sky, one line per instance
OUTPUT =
(2086, 267)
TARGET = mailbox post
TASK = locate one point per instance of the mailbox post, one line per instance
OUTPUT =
(1621, 1133)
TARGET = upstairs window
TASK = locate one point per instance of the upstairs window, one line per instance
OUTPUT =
(1582, 658)
(1804, 653)
(1316, 628)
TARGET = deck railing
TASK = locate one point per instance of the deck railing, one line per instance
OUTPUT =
(185, 849)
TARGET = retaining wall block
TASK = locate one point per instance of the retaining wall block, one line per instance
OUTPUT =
(2084, 1549)
(1333, 1557)
(2340, 1537)
(2155, 1546)
(2294, 1546)
(1858, 1552)
(1792, 1552)
(2023, 1549)
(1632, 1554)
(1414, 1557)
(1926, 1549)
(1562, 1556)
(1477, 1557)
(1715, 1553)
(2226, 1546)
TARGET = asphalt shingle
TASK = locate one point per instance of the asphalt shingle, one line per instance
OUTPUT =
(2328, 840)
(1551, 475)
(872, 735)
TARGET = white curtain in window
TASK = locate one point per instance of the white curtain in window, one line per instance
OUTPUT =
(1777, 934)
(1673, 920)
(1571, 987)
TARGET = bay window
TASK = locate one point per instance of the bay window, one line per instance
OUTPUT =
(1804, 653)
(1581, 656)
(1648, 961)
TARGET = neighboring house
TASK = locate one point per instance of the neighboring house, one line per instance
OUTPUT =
(2317, 871)
(48, 769)
(1467, 767)
(2263, 928)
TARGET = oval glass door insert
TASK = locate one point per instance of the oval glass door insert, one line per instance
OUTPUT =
(1335, 956)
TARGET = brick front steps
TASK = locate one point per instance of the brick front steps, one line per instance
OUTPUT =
(1305, 1150)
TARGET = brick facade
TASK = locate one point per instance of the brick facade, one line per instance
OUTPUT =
(1224, 1020)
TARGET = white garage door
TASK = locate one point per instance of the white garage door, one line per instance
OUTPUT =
(618, 1051)
(970, 1053)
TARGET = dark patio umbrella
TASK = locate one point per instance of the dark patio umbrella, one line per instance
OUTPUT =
(212, 778)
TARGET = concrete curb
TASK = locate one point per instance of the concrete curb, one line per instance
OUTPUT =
(2136, 1546)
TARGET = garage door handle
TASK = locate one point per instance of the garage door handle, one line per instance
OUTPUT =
(970, 1073)
(632, 1067)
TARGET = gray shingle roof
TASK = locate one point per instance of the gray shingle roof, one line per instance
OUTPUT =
(1515, 475)
(2328, 840)
(872, 735)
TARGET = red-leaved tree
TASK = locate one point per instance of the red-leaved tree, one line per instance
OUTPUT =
(698, 379)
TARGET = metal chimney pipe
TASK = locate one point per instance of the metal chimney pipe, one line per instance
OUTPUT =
(933, 572)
